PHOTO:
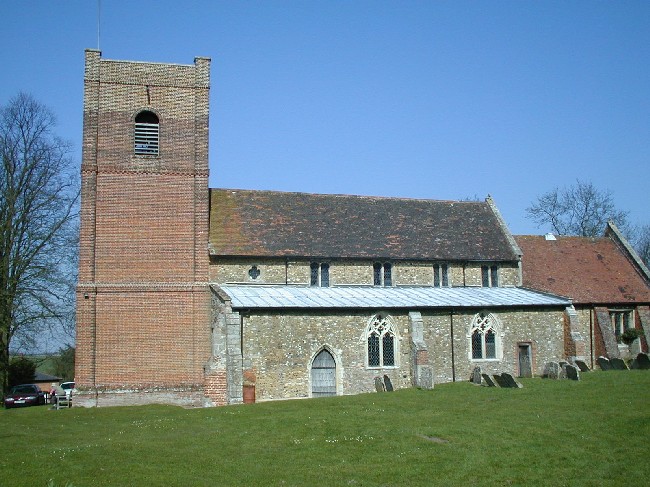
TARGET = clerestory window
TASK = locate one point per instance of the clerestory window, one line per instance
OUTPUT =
(382, 274)
(320, 274)
(440, 275)
(490, 276)
(147, 131)
(380, 339)
(484, 337)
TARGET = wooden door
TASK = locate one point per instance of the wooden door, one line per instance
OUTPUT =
(525, 368)
(323, 375)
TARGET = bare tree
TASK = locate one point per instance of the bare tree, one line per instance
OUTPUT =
(577, 210)
(38, 214)
(641, 243)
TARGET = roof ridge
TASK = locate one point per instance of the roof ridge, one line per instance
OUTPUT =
(346, 195)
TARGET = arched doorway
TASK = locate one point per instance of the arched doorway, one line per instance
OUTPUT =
(323, 375)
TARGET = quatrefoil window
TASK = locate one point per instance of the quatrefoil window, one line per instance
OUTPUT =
(254, 272)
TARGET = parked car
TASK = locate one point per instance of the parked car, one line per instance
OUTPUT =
(24, 395)
(69, 388)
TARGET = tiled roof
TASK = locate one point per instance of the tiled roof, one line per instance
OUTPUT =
(588, 270)
(277, 224)
(298, 297)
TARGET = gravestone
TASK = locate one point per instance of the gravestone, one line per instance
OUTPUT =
(618, 364)
(644, 361)
(487, 380)
(582, 366)
(379, 385)
(388, 384)
(603, 363)
(552, 370)
(500, 380)
(476, 376)
(571, 372)
(510, 380)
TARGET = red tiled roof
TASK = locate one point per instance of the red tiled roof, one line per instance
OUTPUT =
(279, 224)
(587, 270)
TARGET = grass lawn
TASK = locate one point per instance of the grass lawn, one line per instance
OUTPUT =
(589, 433)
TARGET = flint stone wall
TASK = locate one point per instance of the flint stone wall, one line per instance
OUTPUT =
(346, 272)
(279, 347)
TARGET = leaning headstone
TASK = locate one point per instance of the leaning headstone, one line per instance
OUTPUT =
(510, 380)
(571, 372)
(476, 376)
(603, 363)
(644, 361)
(487, 380)
(582, 366)
(618, 364)
(552, 370)
(379, 385)
(500, 380)
(388, 384)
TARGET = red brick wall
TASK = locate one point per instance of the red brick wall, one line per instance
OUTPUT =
(145, 228)
(149, 338)
(143, 299)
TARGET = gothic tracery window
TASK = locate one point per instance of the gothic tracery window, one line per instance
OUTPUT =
(484, 337)
(380, 338)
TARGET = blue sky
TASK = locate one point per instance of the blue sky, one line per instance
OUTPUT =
(418, 99)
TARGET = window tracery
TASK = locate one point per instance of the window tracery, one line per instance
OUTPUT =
(484, 337)
(381, 345)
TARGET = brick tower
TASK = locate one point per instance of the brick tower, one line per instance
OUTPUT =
(143, 332)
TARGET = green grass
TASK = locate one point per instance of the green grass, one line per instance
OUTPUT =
(589, 433)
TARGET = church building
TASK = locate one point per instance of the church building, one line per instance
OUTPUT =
(201, 297)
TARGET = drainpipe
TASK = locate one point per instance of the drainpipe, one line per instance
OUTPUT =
(591, 337)
(95, 345)
(453, 356)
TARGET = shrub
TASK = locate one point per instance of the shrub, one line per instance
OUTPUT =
(21, 371)
(630, 335)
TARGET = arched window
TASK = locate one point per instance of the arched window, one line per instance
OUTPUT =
(380, 338)
(146, 140)
(484, 337)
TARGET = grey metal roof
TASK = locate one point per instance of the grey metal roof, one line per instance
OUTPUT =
(273, 297)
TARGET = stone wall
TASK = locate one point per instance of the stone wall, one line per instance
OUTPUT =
(450, 351)
(279, 348)
(349, 272)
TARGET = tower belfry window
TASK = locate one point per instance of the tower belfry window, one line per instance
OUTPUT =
(146, 140)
